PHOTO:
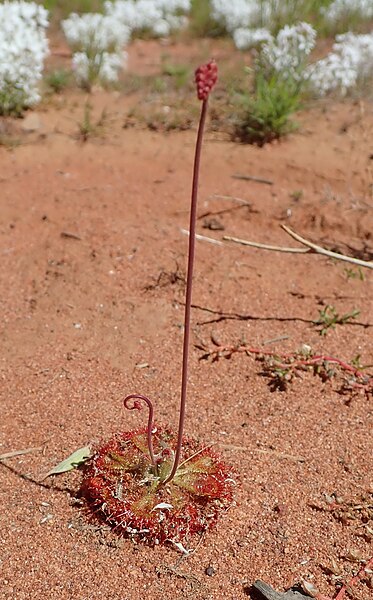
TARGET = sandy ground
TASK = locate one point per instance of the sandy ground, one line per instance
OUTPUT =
(86, 229)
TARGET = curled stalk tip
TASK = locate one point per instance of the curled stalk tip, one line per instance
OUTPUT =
(136, 405)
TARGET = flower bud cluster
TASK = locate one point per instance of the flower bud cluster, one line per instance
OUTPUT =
(97, 43)
(23, 48)
(205, 78)
(158, 17)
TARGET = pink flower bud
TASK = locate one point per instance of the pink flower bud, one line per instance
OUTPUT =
(205, 77)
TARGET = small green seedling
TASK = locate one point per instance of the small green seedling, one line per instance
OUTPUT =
(354, 273)
(88, 128)
(58, 80)
(329, 318)
(179, 73)
(297, 195)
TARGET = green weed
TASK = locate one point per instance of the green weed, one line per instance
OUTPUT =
(88, 128)
(351, 273)
(201, 22)
(297, 195)
(9, 142)
(293, 11)
(266, 116)
(58, 80)
(13, 101)
(180, 74)
(60, 9)
(328, 318)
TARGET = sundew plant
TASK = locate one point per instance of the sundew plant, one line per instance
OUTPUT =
(23, 48)
(97, 42)
(152, 484)
(156, 17)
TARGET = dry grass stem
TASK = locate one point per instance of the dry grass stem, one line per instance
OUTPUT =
(311, 248)
(19, 453)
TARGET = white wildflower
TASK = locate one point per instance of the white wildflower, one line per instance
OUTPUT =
(103, 67)
(249, 14)
(343, 9)
(161, 28)
(350, 61)
(23, 48)
(235, 14)
(287, 52)
(159, 17)
(244, 37)
(94, 32)
(97, 42)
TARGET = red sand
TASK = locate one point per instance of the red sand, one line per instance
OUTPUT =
(85, 230)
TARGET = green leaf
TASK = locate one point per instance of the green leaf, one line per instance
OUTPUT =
(75, 459)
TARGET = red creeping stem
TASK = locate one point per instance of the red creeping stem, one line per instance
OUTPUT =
(205, 78)
(353, 580)
(308, 361)
(136, 405)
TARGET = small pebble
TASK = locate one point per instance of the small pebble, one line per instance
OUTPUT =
(45, 519)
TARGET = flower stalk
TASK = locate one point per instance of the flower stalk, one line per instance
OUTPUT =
(205, 78)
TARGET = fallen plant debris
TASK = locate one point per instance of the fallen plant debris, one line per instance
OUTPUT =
(356, 511)
(253, 178)
(365, 569)
(152, 484)
(311, 248)
(16, 453)
(263, 590)
(281, 368)
(166, 278)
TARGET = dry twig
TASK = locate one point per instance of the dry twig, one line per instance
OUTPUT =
(19, 453)
(229, 238)
(253, 178)
(203, 238)
(311, 248)
(232, 198)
